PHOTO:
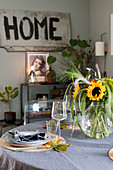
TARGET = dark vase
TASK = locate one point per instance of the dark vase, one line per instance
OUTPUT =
(10, 117)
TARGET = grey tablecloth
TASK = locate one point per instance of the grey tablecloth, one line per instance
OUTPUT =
(84, 154)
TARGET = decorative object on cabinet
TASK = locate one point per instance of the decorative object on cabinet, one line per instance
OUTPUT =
(37, 67)
(6, 97)
(51, 76)
(41, 96)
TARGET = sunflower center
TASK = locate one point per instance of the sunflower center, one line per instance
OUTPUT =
(96, 91)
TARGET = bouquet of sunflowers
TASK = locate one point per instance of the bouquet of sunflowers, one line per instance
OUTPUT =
(94, 95)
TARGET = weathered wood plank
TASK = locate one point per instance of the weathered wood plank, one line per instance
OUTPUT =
(23, 30)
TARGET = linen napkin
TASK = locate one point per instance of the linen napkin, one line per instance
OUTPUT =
(58, 145)
(19, 136)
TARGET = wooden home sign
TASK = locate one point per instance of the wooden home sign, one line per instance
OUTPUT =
(22, 30)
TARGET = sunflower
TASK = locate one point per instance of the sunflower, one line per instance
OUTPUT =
(108, 79)
(76, 91)
(96, 91)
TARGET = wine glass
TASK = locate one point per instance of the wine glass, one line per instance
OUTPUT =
(59, 112)
(68, 100)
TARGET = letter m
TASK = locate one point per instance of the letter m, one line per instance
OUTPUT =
(42, 24)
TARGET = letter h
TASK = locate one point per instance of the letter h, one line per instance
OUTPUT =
(11, 27)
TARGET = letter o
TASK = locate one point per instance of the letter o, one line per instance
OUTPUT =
(22, 30)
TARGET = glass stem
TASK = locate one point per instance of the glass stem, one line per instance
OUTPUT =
(59, 129)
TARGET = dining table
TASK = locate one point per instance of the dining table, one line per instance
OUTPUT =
(85, 153)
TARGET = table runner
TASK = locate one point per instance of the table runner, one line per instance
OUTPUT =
(84, 154)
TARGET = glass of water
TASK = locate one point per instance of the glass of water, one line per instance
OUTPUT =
(52, 128)
(59, 112)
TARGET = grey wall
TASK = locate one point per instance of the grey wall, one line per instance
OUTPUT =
(100, 11)
(12, 65)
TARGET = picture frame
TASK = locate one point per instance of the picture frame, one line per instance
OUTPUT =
(37, 66)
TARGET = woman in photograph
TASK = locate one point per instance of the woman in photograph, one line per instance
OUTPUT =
(39, 65)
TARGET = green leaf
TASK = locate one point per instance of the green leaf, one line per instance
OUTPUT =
(111, 85)
(109, 100)
(74, 115)
(59, 79)
(65, 54)
(14, 95)
(2, 95)
(70, 55)
(80, 94)
(82, 44)
(6, 91)
(72, 73)
(16, 89)
(9, 89)
(73, 42)
(79, 125)
(83, 103)
(61, 147)
(69, 87)
(109, 103)
(72, 110)
(79, 61)
(4, 101)
(51, 59)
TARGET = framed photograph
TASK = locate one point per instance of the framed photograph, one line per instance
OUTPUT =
(37, 66)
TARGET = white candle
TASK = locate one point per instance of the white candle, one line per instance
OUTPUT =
(99, 48)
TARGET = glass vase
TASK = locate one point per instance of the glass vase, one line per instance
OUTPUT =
(96, 121)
